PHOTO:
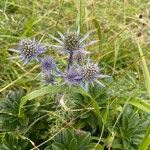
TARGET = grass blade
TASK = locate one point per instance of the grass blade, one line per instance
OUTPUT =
(145, 70)
(146, 141)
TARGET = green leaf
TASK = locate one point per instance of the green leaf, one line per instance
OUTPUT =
(37, 93)
(88, 147)
(4, 147)
(99, 147)
(58, 146)
(141, 104)
(145, 69)
(73, 144)
(67, 136)
(84, 139)
(146, 141)
(99, 33)
(105, 116)
(94, 103)
(48, 148)
(78, 20)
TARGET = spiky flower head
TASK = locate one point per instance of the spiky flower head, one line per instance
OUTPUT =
(90, 72)
(29, 49)
(47, 64)
(71, 41)
(72, 76)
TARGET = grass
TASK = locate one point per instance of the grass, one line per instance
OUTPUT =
(123, 51)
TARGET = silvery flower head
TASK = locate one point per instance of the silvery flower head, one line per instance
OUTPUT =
(90, 74)
(72, 76)
(71, 41)
(29, 49)
(47, 64)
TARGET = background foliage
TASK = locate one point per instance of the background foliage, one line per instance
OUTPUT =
(58, 118)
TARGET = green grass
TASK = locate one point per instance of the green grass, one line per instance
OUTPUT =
(121, 51)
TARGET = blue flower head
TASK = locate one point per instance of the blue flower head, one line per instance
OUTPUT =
(72, 77)
(90, 74)
(29, 49)
(47, 64)
(71, 42)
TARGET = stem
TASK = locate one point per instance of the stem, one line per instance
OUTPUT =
(70, 59)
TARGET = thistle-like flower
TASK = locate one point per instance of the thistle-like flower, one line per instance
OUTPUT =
(72, 77)
(90, 74)
(72, 41)
(29, 49)
(47, 65)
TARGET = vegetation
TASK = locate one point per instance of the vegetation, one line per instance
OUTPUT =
(95, 114)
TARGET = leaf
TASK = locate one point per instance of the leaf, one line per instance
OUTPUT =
(99, 33)
(78, 20)
(67, 136)
(73, 144)
(84, 139)
(145, 69)
(48, 148)
(94, 103)
(105, 116)
(4, 147)
(141, 104)
(58, 146)
(88, 147)
(37, 93)
(99, 147)
(146, 141)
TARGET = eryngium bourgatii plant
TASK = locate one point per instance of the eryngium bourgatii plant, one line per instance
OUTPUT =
(79, 71)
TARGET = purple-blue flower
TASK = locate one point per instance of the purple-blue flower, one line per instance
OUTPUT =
(72, 41)
(72, 77)
(29, 49)
(90, 74)
(47, 64)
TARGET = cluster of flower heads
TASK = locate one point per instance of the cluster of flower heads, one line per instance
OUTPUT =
(80, 70)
